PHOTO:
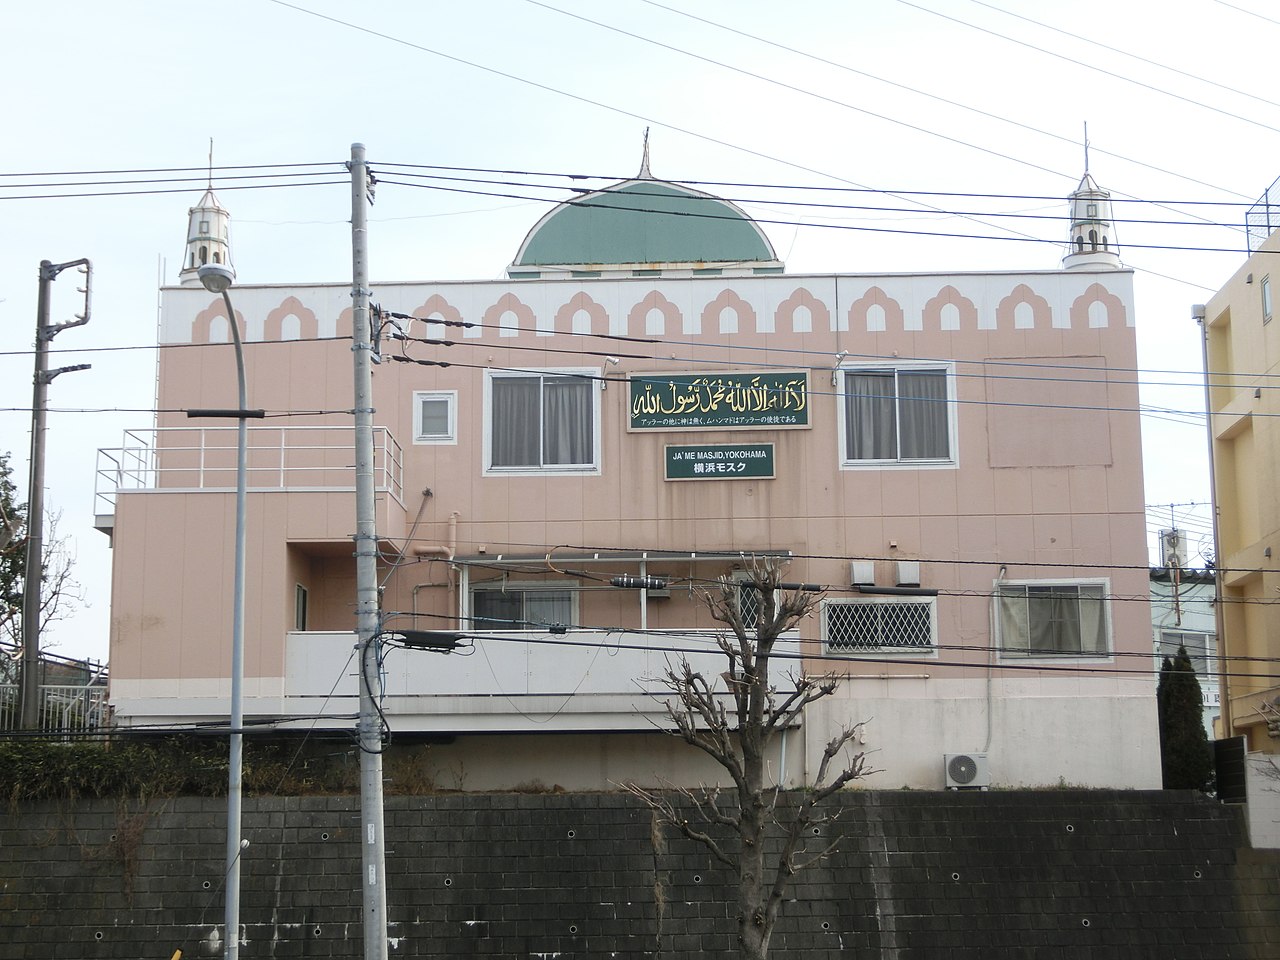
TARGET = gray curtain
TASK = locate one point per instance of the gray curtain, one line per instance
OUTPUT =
(922, 415)
(870, 432)
(515, 429)
(1053, 619)
(566, 407)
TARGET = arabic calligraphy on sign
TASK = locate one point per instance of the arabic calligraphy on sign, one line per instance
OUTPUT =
(716, 401)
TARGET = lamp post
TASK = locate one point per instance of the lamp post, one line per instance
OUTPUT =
(217, 278)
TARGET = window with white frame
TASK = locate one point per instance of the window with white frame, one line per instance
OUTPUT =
(1053, 618)
(871, 624)
(521, 607)
(1202, 648)
(897, 414)
(542, 421)
(435, 416)
(1265, 287)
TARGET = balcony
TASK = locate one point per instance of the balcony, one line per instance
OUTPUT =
(203, 459)
(517, 681)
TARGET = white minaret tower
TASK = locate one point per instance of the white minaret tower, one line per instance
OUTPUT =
(1092, 237)
(208, 234)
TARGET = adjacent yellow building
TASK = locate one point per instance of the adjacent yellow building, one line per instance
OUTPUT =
(1242, 354)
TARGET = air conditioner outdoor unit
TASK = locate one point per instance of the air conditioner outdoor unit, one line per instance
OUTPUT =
(966, 771)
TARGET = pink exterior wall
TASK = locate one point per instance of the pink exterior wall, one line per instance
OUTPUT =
(1048, 492)
(1046, 479)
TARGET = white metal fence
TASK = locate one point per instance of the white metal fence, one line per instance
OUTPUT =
(277, 458)
(63, 707)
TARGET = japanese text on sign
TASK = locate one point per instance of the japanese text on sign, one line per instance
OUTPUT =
(720, 461)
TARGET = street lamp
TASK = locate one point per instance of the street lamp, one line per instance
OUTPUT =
(217, 278)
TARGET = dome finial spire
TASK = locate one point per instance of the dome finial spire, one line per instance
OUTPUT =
(644, 173)
(208, 234)
(1091, 239)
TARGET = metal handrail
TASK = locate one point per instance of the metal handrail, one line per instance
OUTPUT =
(63, 707)
(203, 458)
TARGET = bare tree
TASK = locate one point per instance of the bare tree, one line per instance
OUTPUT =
(736, 729)
(60, 593)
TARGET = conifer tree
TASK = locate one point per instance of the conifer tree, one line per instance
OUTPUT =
(1185, 756)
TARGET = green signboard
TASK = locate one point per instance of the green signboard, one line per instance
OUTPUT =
(716, 401)
(720, 461)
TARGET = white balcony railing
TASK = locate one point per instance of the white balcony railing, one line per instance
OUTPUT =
(179, 459)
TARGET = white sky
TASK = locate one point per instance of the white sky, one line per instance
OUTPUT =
(134, 84)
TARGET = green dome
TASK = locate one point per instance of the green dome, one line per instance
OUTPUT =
(644, 221)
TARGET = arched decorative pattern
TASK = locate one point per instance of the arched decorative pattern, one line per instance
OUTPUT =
(509, 314)
(1114, 313)
(202, 325)
(801, 311)
(861, 314)
(436, 306)
(715, 317)
(308, 327)
(640, 315)
(1009, 318)
(582, 315)
(962, 315)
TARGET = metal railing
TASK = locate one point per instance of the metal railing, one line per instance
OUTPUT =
(278, 458)
(64, 708)
(1263, 217)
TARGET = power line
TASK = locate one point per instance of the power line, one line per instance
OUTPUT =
(147, 193)
(847, 659)
(608, 179)
(1065, 217)
(939, 99)
(1125, 53)
(1013, 237)
(665, 556)
(1088, 66)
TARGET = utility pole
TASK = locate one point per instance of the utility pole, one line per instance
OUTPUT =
(368, 630)
(34, 574)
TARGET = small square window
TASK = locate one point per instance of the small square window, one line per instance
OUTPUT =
(204, 228)
(435, 416)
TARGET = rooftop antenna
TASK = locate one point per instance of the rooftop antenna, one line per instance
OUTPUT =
(644, 173)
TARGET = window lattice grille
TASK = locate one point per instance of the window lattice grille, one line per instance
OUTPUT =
(862, 625)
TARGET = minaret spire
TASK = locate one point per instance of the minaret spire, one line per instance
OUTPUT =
(208, 234)
(1092, 234)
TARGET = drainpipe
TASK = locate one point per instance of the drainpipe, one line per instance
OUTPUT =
(445, 553)
(1224, 686)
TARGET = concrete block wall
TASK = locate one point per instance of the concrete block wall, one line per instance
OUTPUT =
(1044, 874)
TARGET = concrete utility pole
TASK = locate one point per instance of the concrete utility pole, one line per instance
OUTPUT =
(34, 574)
(368, 629)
